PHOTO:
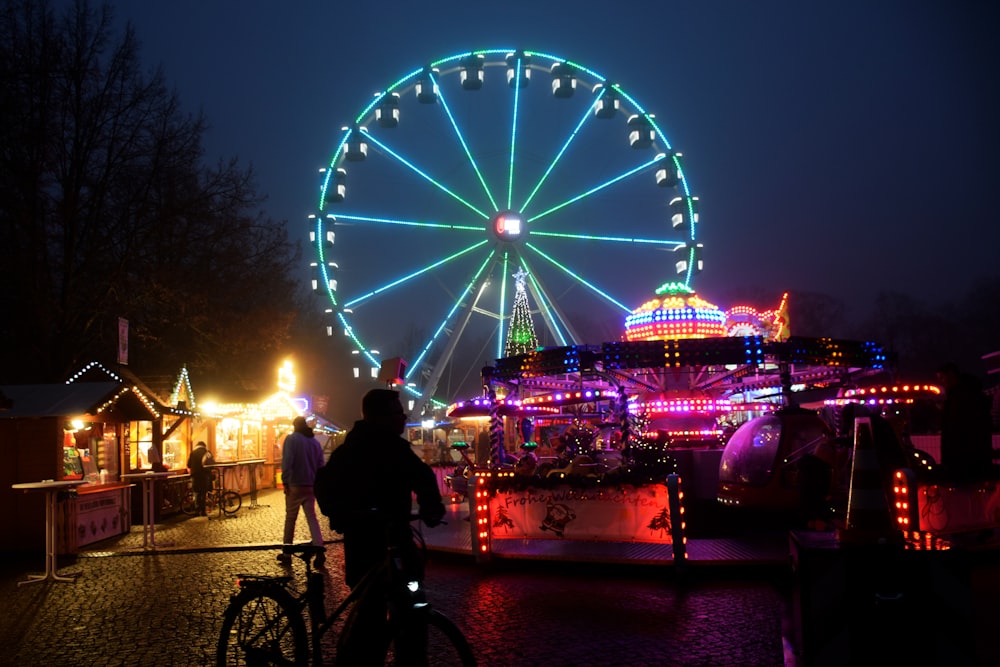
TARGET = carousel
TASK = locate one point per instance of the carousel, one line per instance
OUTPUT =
(586, 441)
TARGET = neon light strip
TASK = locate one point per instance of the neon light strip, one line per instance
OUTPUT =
(690, 204)
(580, 279)
(450, 314)
(378, 99)
(584, 395)
(331, 171)
(569, 140)
(503, 303)
(408, 223)
(513, 133)
(421, 173)
(396, 283)
(322, 261)
(690, 266)
(595, 189)
(680, 174)
(465, 147)
(616, 239)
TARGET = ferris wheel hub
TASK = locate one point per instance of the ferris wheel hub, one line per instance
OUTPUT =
(508, 226)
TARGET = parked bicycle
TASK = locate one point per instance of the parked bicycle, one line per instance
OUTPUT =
(216, 499)
(265, 624)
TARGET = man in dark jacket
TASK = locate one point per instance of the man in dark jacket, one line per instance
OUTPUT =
(201, 476)
(373, 476)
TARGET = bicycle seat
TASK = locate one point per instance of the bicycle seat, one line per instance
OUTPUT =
(305, 548)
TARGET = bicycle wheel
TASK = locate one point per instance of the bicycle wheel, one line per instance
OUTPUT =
(446, 645)
(231, 502)
(263, 627)
(189, 503)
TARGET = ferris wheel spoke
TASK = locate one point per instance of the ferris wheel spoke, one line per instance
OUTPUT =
(407, 223)
(410, 276)
(430, 179)
(465, 146)
(513, 131)
(583, 119)
(671, 245)
(579, 278)
(457, 317)
(595, 189)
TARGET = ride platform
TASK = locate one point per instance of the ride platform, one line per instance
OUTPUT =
(768, 548)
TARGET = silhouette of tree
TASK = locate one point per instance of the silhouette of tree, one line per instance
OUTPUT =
(107, 211)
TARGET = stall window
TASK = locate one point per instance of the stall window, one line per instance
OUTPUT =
(88, 450)
(174, 453)
(227, 438)
(177, 442)
(140, 437)
(250, 441)
(105, 442)
(72, 460)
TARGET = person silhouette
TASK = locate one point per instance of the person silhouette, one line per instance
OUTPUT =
(301, 457)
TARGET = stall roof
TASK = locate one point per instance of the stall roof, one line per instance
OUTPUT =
(117, 402)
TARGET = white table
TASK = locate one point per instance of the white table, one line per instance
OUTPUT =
(51, 489)
(148, 503)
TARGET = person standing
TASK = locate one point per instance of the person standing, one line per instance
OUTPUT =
(373, 477)
(966, 425)
(201, 476)
(301, 457)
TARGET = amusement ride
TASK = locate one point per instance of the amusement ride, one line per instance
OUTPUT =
(477, 166)
(485, 192)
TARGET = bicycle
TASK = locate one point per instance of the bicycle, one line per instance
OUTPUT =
(264, 621)
(217, 498)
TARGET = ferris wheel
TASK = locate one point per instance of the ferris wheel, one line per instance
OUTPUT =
(474, 168)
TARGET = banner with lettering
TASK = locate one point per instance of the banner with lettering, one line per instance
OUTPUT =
(622, 514)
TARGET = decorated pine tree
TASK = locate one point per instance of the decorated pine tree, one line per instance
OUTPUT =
(521, 336)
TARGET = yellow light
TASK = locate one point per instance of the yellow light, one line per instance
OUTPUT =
(286, 376)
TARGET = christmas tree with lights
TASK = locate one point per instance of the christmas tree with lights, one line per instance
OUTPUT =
(521, 336)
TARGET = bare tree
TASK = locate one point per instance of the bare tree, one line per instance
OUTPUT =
(107, 211)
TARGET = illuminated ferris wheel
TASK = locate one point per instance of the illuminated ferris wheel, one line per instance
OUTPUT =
(464, 172)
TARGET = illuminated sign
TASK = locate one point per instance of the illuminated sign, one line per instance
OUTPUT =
(507, 225)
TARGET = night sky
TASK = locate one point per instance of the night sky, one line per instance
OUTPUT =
(843, 148)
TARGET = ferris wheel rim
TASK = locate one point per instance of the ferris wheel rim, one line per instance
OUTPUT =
(445, 67)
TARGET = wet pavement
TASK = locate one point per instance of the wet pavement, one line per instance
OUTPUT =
(163, 606)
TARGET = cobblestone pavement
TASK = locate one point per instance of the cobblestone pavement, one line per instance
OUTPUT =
(131, 606)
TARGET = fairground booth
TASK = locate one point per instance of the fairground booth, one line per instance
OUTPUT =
(97, 435)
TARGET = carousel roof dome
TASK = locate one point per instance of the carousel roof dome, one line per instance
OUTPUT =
(675, 312)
